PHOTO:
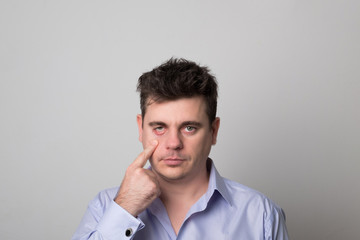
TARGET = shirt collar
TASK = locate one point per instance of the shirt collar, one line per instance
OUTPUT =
(217, 183)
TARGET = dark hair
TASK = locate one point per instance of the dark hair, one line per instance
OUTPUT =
(178, 78)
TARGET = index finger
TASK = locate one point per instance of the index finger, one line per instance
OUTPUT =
(141, 160)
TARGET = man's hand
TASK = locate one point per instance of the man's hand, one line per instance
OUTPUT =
(139, 187)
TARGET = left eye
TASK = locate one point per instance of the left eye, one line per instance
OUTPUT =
(189, 129)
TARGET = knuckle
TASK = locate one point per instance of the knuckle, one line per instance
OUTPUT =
(138, 171)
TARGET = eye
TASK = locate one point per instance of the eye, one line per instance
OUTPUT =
(159, 130)
(190, 129)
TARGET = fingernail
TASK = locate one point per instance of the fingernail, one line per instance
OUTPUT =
(154, 142)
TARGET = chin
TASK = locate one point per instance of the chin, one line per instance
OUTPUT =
(170, 174)
(172, 178)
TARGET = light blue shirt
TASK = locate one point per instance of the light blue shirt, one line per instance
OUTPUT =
(227, 211)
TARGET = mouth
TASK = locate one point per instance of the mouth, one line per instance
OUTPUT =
(173, 161)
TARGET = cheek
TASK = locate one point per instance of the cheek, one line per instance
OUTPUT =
(147, 136)
(160, 148)
(202, 146)
(160, 138)
(159, 151)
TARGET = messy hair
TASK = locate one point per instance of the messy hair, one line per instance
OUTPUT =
(175, 79)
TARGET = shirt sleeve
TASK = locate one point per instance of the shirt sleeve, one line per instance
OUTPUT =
(274, 224)
(107, 221)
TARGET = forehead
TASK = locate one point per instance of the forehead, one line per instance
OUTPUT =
(183, 109)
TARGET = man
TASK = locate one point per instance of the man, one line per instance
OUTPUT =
(181, 196)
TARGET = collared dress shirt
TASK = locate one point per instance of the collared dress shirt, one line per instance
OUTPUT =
(227, 211)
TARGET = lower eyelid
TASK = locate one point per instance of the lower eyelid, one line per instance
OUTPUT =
(158, 133)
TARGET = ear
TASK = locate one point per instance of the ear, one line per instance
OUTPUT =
(140, 126)
(215, 128)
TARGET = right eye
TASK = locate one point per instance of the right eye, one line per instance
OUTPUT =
(159, 130)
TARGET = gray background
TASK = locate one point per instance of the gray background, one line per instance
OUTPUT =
(289, 103)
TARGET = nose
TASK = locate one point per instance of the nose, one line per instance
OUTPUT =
(174, 141)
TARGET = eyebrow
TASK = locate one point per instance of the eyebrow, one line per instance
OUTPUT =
(156, 123)
(192, 123)
(186, 123)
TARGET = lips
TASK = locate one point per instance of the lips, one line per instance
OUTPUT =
(173, 161)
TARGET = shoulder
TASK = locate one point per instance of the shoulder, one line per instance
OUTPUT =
(238, 190)
(255, 207)
(247, 198)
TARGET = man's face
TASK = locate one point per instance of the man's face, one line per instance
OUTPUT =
(184, 134)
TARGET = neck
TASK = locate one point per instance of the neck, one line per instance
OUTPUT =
(184, 190)
(178, 196)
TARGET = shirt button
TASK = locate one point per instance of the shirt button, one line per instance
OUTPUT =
(128, 232)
